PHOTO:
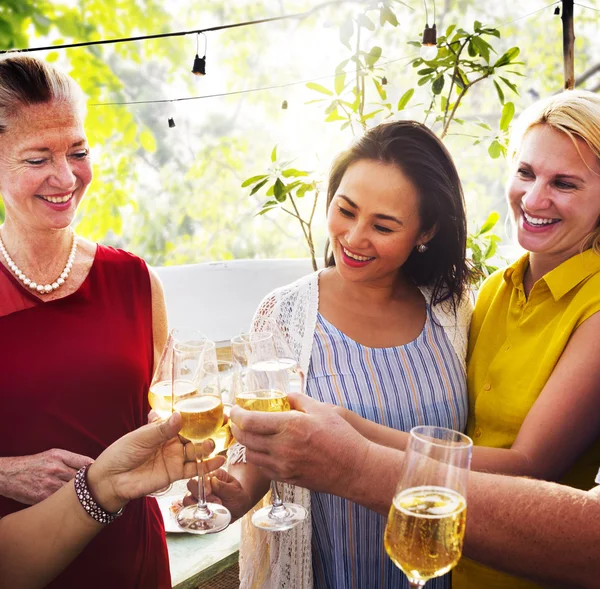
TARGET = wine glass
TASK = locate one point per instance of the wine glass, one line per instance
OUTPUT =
(197, 397)
(160, 395)
(426, 523)
(264, 388)
(225, 373)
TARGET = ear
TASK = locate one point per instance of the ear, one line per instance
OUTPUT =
(428, 235)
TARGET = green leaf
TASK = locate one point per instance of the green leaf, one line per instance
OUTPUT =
(482, 48)
(491, 31)
(274, 154)
(490, 222)
(477, 26)
(405, 98)
(438, 85)
(364, 21)
(264, 210)
(508, 57)
(495, 149)
(424, 80)
(499, 91)
(339, 82)
(512, 86)
(426, 70)
(279, 190)
(472, 48)
(319, 88)
(387, 15)
(508, 112)
(450, 30)
(372, 57)
(253, 179)
(293, 173)
(334, 116)
(380, 89)
(346, 31)
(258, 187)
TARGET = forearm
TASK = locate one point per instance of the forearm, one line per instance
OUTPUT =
(379, 434)
(373, 483)
(38, 542)
(541, 530)
(252, 480)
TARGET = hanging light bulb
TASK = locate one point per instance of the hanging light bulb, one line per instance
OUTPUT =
(429, 49)
(199, 67)
(284, 105)
(171, 122)
(384, 81)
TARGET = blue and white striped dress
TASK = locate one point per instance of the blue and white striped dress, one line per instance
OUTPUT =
(421, 382)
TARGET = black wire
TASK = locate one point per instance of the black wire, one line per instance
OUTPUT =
(275, 87)
(426, 13)
(588, 7)
(161, 35)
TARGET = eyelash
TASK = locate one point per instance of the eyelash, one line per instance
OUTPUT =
(349, 215)
(79, 155)
(560, 185)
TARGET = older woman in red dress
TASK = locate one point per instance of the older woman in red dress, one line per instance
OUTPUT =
(80, 327)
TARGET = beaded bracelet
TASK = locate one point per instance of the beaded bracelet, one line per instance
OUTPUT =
(89, 503)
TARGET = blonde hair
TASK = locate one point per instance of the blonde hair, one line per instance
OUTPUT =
(27, 80)
(573, 112)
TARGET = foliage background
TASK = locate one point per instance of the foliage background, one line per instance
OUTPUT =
(174, 195)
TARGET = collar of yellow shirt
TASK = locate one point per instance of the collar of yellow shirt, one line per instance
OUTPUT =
(563, 278)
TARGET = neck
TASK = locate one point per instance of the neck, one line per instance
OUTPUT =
(39, 253)
(375, 293)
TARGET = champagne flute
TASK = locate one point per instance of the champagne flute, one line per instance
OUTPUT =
(160, 395)
(426, 523)
(225, 373)
(264, 389)
(197, 397)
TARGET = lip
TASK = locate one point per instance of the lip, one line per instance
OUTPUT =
(352, 263)
(537, 228)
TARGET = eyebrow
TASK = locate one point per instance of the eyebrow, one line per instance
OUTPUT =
(45, 149)
(561, 176)
(376, 215)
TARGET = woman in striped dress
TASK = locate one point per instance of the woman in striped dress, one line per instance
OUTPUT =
(381, 332)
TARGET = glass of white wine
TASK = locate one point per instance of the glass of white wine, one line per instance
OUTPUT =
(160, 395)
(197, 397)
(426, 523)
(264, 388)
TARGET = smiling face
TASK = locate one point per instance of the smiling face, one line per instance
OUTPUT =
(554, 193)
(44, 166)
(373, 222)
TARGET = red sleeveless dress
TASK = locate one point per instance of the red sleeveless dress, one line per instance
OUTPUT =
(74, 374)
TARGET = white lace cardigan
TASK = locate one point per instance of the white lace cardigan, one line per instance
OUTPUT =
(283, 560)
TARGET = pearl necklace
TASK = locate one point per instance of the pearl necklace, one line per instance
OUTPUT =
(41, 288)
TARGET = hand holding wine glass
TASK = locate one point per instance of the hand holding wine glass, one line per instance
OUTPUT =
(426, 523)
(264, 388)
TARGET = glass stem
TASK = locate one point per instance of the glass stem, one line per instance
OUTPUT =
(203, 510)
(416, 584)
(277, 506)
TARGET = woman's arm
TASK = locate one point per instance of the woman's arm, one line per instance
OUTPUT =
(560, 426)
(38, 542)
(160, 326)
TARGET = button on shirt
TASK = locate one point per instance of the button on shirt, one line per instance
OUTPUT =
(515, 343)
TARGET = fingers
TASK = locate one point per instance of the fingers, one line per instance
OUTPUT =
(214, 463)
(303, 403)
(257, 421)
(168, 429)
(257, 442)
(153, 416)
(70, 459)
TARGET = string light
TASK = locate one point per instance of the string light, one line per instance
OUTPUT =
(171, 122)
(199, 67)
(284, 105)
(429, 49)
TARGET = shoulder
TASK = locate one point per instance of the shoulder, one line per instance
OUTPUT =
(112, 255)
(294, 290)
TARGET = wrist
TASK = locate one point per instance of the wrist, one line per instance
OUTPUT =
(103, 491)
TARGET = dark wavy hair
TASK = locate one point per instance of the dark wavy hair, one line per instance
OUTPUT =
(422, 157)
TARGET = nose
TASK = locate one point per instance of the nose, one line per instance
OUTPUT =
(356, 236)
(536, 197)
(63, 176)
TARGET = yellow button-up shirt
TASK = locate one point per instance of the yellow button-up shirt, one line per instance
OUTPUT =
(514, 344)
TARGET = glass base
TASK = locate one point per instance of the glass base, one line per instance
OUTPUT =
(278, 519)
(209, 520)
